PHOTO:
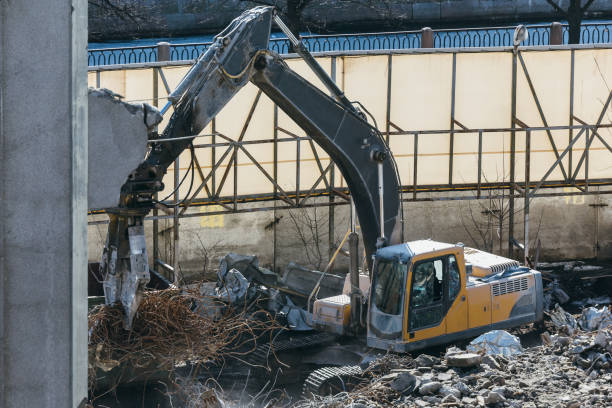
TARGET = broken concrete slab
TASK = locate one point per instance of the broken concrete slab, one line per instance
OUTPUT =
(118, 135)
(303, 280)
(494, 398)
(463, 360)
(496, 342)
(446, 390)
(405, 383)
(248, 265)
(425, 360)
(430, 388)
(463, 388)
(594, 319)
(450, 400)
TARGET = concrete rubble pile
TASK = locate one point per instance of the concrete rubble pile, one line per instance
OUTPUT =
(575, 284)
(242, 282)
(571, 368)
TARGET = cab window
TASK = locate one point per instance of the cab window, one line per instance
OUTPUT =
(388, 290)
(427, 283)
(426, 298)
(454, 280)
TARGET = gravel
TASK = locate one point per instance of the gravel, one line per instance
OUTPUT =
(564, 371)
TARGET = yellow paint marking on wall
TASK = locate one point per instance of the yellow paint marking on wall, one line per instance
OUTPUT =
(576, 199)
(214, 220)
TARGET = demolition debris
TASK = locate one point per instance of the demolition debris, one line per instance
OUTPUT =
(170, 329)
(572, 368)
(244, 319)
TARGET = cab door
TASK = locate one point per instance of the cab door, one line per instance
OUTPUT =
(457, 315)
(426, 302)
(437, 303)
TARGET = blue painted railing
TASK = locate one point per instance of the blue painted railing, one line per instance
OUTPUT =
(592, 33)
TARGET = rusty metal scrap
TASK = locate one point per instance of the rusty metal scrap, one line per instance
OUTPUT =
(167, 329)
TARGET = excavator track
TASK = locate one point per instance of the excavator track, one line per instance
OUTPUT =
(331, 380)
(264, 353)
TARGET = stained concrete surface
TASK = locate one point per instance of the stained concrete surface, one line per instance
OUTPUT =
(117, 144)
(43, 170)
(568, 228)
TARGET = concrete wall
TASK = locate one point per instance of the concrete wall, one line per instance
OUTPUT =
(117, 142)
(181, 17)
(43, 191)
(571, 227)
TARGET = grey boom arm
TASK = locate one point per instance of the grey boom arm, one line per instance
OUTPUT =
(352, 144)
(206, 88)
(240, 54)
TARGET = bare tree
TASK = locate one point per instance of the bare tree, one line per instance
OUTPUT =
(208, 252)
(126, 18)
(487, 221)
(311, 230)
(574, 15)
(123, 10)
(293, 11)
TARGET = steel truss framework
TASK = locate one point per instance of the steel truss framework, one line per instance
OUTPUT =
(220, 147)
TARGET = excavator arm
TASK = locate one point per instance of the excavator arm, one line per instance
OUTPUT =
(201, 94)
(352, 144)
(240, 54)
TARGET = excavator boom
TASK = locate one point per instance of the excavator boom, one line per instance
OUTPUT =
(239, 54)
(352, 144)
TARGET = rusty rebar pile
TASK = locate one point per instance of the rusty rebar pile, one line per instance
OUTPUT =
(166, 330)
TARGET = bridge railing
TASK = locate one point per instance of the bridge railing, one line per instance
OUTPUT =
(539, 34)
(122, 55)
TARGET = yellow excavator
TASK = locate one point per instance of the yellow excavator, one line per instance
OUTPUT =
(421, 293)
(425, 293)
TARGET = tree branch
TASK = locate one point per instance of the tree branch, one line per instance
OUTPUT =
(587, 5)
(556, 6)
(262, 2)
(123, 11)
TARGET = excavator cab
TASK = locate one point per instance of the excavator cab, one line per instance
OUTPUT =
(424, 293)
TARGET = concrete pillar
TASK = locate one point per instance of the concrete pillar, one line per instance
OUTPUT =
(43, 196)
(556, 34)
(427, 38)
(163, 51)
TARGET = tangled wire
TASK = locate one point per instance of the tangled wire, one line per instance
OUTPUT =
(172, 326)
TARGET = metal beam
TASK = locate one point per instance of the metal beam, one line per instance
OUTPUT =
(550, 170)
(275, 171)
(540, 111)
(526, 195)
(389, 90)
(571, 112)
(415, 157)
(452, 122)
(512, 156)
